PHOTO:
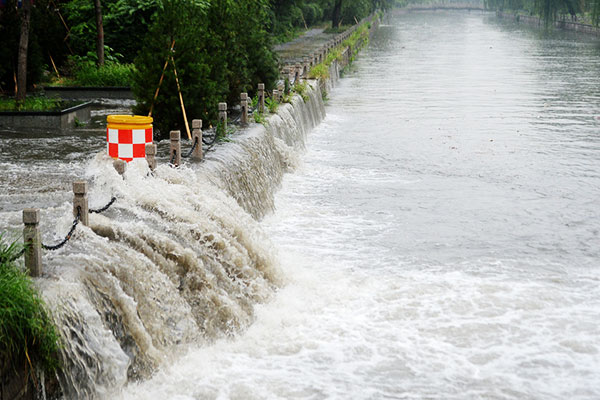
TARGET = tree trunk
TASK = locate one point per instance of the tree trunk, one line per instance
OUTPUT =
(336, 18)
(23, 46)
(100, 33)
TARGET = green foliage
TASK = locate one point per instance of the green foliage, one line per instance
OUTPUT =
(258, 117)
(550, 10)
(31, 103)
(27, 334)
(125, 24)
(319, 71)
(45, 38)
(225, 52)
(86, 73)
(271, 105)
(302, 89)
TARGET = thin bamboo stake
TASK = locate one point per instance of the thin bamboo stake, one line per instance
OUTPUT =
(53, 65)
(187, 126)
(162, 76)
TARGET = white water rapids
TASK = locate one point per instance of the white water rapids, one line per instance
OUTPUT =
(438, 237)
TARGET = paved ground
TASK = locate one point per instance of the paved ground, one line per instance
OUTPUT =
(302, 46)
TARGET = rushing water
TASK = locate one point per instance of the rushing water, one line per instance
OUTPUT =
(438, 240)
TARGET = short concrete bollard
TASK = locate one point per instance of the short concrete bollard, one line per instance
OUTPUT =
(297, 73)
(261, 97)
(223, 117)
(80, 202)
(151, 155)
(120, 166)
(197, 138)
(32, 241)
(175, 152)
(244, 107)
(276, 95)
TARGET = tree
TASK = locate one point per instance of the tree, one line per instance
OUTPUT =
(23, 47)
(99, 33)
(336, 18)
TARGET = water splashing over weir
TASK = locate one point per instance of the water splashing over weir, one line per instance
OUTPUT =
(179, 259)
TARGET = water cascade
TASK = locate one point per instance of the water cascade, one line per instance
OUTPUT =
(179, 259)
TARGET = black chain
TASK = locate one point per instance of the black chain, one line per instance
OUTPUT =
(66, 239)
(192, 149)
(209, 137)
(106, 207)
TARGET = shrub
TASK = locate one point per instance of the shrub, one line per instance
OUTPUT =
(109, 74)
(319, 71)
(224, 52)
(271, 105)
(301, 88)
(31, 103)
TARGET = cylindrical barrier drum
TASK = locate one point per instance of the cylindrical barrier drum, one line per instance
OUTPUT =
(127, 135)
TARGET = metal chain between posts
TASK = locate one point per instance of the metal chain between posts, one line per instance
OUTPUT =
(209, 137)
(192, 149)
(68, 237)
(106, 207)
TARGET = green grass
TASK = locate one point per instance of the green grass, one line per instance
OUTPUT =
(112, 74)
(302, 88)
(319, 71)
(27, 335)
(88, 74)
(33, 103)
(271, 105)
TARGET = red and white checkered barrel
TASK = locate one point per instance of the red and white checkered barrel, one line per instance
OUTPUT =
(127, 135)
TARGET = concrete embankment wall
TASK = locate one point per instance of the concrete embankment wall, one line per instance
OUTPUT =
(561, 24)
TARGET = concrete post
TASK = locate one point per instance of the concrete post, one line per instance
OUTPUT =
(197, 136)
(175, 152)
(244, 108)
(306, 67)
(223, 116)
(297, 73)
(32, 241)
(80, 201)
(276, 95)
(261, 97)
(151, 155)
(120, 166)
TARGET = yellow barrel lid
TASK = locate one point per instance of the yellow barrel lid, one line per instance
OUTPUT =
(129, 119)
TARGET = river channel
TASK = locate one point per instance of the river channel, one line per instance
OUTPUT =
(440, 238)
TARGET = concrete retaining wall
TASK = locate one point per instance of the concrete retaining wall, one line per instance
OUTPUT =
(89, 93)
(63, 119)
(538, 22)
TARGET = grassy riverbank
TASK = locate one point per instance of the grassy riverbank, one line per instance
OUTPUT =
(27, 335)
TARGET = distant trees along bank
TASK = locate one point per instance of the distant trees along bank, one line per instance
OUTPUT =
(222, 47)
